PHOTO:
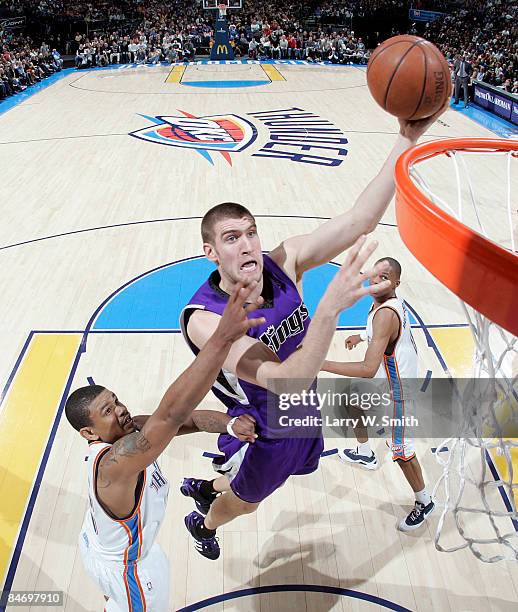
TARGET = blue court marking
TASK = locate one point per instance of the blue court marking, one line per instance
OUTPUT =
(495, 124)
(503, 492)
(287, 588)
(426, 381)
(331, 451)
(154, 300)
(443, 449)
(429, 340)
(90, 381)
(15, 368)
(224, 84)
(244, 62)
(23, 96)
(209, 455)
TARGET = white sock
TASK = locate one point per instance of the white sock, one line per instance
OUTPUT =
(423, 497)
(364, 448)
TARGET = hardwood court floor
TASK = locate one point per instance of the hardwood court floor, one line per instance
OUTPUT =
(86, 209)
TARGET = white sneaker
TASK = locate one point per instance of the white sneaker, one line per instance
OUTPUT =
(353, 456)
(417, 516)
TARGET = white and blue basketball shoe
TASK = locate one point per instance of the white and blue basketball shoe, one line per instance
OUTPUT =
(350, 455)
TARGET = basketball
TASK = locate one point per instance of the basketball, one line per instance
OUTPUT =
(409, 77)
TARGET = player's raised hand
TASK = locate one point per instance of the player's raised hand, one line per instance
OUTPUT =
(347, 286)
(244, 428)
(413, 129)
(352, 341)
(234, 322)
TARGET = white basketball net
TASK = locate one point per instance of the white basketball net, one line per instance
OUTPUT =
(479, 500)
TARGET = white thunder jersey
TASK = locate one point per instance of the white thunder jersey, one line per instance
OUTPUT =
(130, 539)
(402, 363)
(399, 365)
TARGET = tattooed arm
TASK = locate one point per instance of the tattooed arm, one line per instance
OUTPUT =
(132, 453)
(214, 421)
(211, 421)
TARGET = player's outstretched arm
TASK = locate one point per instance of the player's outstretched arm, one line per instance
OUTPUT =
(384, 325)
(211, 421)
(132, 453)
(300, 253)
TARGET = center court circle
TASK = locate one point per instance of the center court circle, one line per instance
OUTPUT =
(286, 588)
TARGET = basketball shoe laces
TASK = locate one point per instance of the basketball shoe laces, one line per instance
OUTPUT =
(416, 512)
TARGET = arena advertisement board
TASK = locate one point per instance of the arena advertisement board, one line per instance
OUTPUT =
(418, 15)
(498, 102)
(12, 23)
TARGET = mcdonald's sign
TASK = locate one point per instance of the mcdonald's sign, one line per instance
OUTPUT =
(221, 49)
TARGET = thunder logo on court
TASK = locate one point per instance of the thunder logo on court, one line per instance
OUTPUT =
(224, 134)
(295, 135)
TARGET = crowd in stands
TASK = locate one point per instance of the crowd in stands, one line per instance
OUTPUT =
(153, 47)
(113, 9)
(178, 31)
(23, 64)
(486, 33)
(153, 31)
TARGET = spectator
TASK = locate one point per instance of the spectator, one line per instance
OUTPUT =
(189, 51)
(461, 73)
(57, 59)
(321, 30)
(266, 45)
(252, 48)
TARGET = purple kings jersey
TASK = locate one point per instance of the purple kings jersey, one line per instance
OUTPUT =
(287, 321)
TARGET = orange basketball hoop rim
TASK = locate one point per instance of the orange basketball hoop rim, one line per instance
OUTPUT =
(479, 271)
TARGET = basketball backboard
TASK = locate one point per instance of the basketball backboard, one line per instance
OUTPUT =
(230, 4)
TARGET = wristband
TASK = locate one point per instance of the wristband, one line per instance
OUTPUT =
(363, 335)
(229, 427)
